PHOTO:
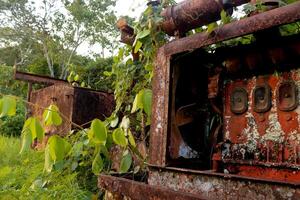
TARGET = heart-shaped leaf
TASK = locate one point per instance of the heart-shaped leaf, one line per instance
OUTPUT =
(98, 132)
(8, 106)
(51, 116)
(119, 137)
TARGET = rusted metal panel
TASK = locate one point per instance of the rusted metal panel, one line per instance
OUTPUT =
(62, 96)
(265, 20)
(137, 190)
(33, 78)
(221, 187)
(269, 139)
(91, 104)
(160, 112)
(78, 105)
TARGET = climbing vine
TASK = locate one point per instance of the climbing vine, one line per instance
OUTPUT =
(126, 128)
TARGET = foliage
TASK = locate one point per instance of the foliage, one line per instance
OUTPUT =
(7, 83)
(12, 126)
(54, 30)
(22, 177)
(87, 152)
(89, 148)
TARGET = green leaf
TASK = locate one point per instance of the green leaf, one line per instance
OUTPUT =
(225, 18)
(147, 101)
(106, 73)
(58, 148)
(119, 137)
(138, 46)
(48, 165)
(26, 141)
(36, 129)
(211, 27)
(8, 106)
(71, 77)
(138, 102)
(51, 116)
(1, 105)
(104, 151)
(125, 162)
(109, 141)
(76, 78)
(131, 139)
(97, 165)
(142, 34)
(98, 132)
(114, 122)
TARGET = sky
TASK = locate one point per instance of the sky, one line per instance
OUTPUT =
(132, 8)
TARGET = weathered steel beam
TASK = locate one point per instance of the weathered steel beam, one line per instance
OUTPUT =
(33, 78)
(273, 18)
(137, 190)
(160, 112)
(191, 14)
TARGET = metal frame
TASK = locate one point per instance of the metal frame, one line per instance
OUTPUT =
(161, 81)
(127, 187)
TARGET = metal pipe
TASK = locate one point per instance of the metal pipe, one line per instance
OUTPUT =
(191, 14)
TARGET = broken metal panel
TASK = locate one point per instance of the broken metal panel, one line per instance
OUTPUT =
(137, 190)
(221, 187)
(265, 20)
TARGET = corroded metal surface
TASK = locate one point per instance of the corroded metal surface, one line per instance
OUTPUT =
(137, 190)
(191, 14)
(269, 139)
(265, 20)
(90, 104)
(77, 105)
(213, 187)
(61, 95)
(160, 112)
(204, 159)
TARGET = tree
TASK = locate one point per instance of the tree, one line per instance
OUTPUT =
(58, 26)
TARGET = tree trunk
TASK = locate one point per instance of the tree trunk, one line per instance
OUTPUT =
(50, 64)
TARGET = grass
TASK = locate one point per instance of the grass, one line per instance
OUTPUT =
(22, 176)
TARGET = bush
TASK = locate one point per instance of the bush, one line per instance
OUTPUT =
(12, 126)
(22, 176)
